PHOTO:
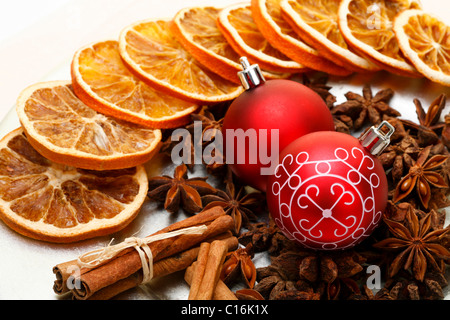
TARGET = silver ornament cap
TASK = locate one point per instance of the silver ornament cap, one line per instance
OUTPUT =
(375, 140)
(251, 75)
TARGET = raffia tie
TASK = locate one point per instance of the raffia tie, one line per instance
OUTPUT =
(99, 256)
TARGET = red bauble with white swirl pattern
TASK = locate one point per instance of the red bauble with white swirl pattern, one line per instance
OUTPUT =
(328, 191)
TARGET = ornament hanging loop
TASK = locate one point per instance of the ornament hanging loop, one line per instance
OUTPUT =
(375, 140)
(251, 75)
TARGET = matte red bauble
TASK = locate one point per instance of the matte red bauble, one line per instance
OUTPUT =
(284, 105)
(329, 190)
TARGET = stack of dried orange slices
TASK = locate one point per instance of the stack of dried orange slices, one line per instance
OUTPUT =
(197, 30)
(57, 181)
(75, 168)
(277, 31)
(149, 50)
(239, 29)
(316, 22)
(367, 28)
(425, 40)
(104, 83)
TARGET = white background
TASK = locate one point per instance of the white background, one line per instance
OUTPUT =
(38, 37)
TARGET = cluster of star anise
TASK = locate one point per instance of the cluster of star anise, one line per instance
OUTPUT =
(296, 273)
(417, 160)
(359, 109)
(193, 195)
(411, 250)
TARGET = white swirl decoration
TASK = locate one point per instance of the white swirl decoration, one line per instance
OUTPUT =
(302, 205)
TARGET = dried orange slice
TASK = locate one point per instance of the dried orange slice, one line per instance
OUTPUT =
(52, 202)
(425, 41)
(367, 27)
(63, 129)
(151, 52)
(267, 16)
(196, 29)
(104, 83)
(238, 27)
(316, 22)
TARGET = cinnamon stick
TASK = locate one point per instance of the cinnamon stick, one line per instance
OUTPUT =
(64, 270)
(161, 268)
(221, 292)
(128, 262)
(200, 270)
(216, 257)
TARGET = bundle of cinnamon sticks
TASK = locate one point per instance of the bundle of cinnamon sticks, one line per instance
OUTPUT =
(124, 271)
(203, 275)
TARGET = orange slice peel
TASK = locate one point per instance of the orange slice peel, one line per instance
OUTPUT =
(316, 22)
(64, 130)
(367, 28)
(197, 30)
(150, 51)
(238, 27)
(51, 202)
(267, 16)
(425, 40)
(104, 83)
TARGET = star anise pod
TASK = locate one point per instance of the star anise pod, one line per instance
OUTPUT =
(210, 126)
(248, 294)
(186, 145)
(332, 273)
(179, 191)
(445, 171)
(238, 204)
(360, 108)
(446, 131)
(267, 237)
(319, 85)
(400, 156)
(397, 211)
(259, 234)
(213, 157)
(405, 287)
(215, 162)
(429, 120)
(420, 176)
(239, 264)
(416, 244)
(279, 280)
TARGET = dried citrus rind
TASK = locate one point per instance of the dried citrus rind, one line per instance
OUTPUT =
(241, 32)
(316, 22)
(57, 203)
(196, 29)
(104, 83)
(63, 129)
(425, 40)
(267, 16)
(149, 49)
(367, 28)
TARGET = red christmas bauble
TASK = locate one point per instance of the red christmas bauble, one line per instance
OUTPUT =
(284, 105)
(328, 191)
